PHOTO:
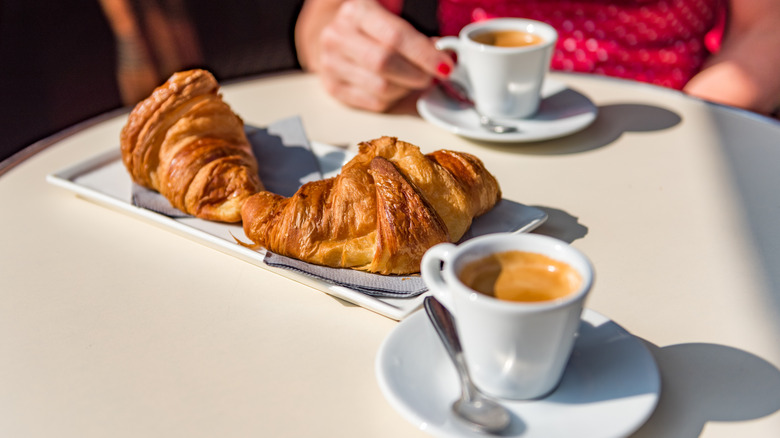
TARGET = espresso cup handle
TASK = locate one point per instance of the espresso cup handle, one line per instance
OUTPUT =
(448, 43)
(431, 268)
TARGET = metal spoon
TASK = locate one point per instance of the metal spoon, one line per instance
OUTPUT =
(488, 123)
(474, 408)
(458, 92)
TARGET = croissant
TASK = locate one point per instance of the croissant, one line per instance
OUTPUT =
(389, 204)
(186, 143)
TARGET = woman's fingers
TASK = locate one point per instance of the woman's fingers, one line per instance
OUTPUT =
(397, 35)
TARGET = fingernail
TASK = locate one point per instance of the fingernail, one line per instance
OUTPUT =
(444, 69)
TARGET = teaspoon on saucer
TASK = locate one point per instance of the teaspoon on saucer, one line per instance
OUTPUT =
(458, 92)
(475, 409)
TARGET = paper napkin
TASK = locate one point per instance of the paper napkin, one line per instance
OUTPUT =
(375, 285)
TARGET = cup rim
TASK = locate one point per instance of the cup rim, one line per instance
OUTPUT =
(550, 34)
(585, 269)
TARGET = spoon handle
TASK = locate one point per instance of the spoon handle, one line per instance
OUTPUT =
(455, 91)
(444, 324)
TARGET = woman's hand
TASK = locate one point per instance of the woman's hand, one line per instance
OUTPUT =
(365, 55)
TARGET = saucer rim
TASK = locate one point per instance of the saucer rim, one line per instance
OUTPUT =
(432, 95)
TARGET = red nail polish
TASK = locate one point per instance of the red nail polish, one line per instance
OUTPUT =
(444, 69)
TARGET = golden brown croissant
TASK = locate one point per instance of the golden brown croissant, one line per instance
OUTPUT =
(388, 205)
(187, 144)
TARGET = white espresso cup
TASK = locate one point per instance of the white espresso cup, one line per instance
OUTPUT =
(504, 82)
(514, 350)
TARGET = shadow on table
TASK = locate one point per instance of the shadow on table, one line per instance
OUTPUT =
(611, 123)
(752, 153)
(709, 382)
(561, 225)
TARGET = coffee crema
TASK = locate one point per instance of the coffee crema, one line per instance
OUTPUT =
(507, 38)
(521, 276)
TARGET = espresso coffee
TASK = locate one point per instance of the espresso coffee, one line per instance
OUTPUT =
(521, 276)
(507, 38)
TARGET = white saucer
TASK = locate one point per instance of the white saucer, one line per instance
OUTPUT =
(609, 389)
(563, 111)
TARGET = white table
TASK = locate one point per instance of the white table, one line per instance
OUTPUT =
(113, 326)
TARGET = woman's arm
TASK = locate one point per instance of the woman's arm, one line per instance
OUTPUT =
(746, 71)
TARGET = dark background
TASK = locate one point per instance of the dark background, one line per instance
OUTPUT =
(58, 59)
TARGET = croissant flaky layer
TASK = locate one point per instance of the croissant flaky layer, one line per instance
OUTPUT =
(388, 205)
(185, 142)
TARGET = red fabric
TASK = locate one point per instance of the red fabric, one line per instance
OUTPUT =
(664, 42)
(393, 6)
